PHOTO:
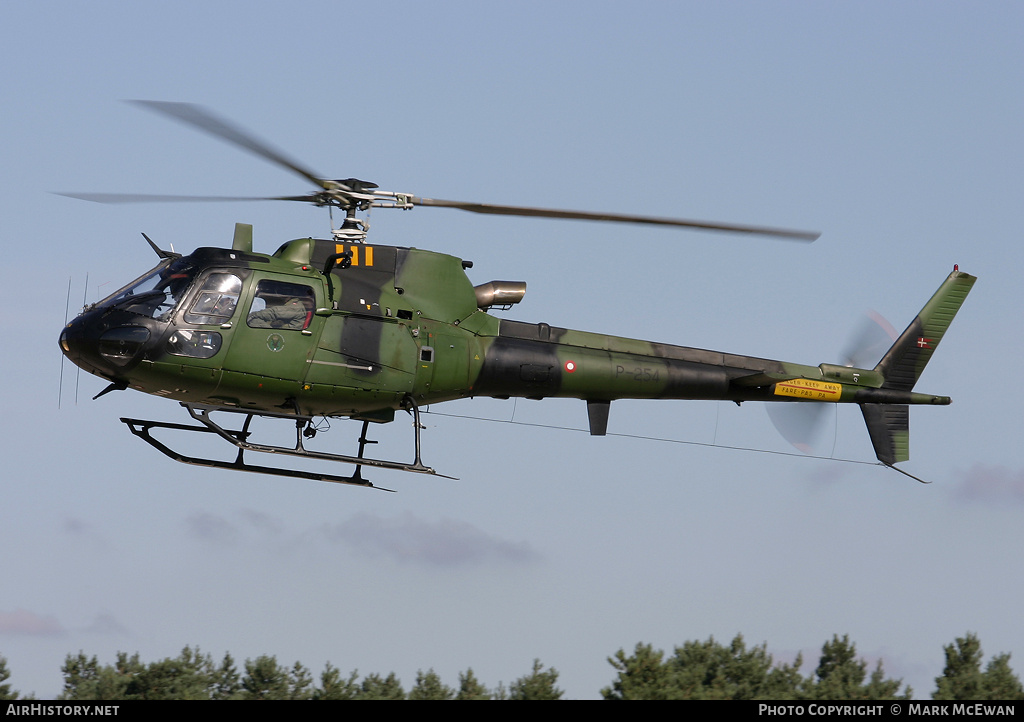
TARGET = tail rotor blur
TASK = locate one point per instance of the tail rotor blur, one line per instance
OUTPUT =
(801, 424)
(869, 342)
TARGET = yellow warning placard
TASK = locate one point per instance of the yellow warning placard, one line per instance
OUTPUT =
(810, 390)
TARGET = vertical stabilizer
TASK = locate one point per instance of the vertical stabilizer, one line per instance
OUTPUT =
(889, 424)
(904, 362)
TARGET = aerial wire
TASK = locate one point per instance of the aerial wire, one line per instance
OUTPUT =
(712, 444)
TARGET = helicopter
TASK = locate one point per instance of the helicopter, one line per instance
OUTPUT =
(342, 327)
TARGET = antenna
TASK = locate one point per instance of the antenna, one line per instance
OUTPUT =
(60, 382)
(78, 375)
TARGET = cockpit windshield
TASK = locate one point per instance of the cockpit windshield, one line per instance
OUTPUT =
(156, 294)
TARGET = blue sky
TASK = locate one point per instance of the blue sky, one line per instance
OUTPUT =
(892, 128)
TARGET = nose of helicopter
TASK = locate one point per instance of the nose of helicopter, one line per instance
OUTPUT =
(73, 342)
(80, 346)
(99, 349)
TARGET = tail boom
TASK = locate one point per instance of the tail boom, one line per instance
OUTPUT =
(539, 361)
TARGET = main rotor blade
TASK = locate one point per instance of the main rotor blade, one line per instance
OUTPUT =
(806, 236)
(204, 120)
(156, 198)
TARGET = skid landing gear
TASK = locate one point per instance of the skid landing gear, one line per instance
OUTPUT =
(303, 428)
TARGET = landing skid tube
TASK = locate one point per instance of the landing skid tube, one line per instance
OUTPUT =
(239, 439)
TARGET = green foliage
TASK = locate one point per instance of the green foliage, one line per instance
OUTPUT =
(784, 680)
(961, 677)
(180, 678)
(332, 686)
(300, 683)
(84, 679)
(963, 680)
(839, 671)
(840, 675)
(265, 679)
(376, 687)
(695, 670)
(190, 675)
(6, 693)
(224, 680)
(703, 670)
(710, 670)
(539, 684)
(428, 686)
(641, 676)
(470, 687)
(1000, 681)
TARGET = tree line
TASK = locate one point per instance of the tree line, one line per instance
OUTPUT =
(695, 670)
(709, 670)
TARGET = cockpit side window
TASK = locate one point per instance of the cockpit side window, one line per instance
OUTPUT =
(216, 301)
(277, 304)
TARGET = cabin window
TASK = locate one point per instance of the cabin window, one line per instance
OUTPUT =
(217, 299)
(281, 305)
(194, 343)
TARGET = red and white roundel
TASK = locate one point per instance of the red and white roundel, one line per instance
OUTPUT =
(570, 366)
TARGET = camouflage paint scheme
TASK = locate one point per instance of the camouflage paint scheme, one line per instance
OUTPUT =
(402, 322)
